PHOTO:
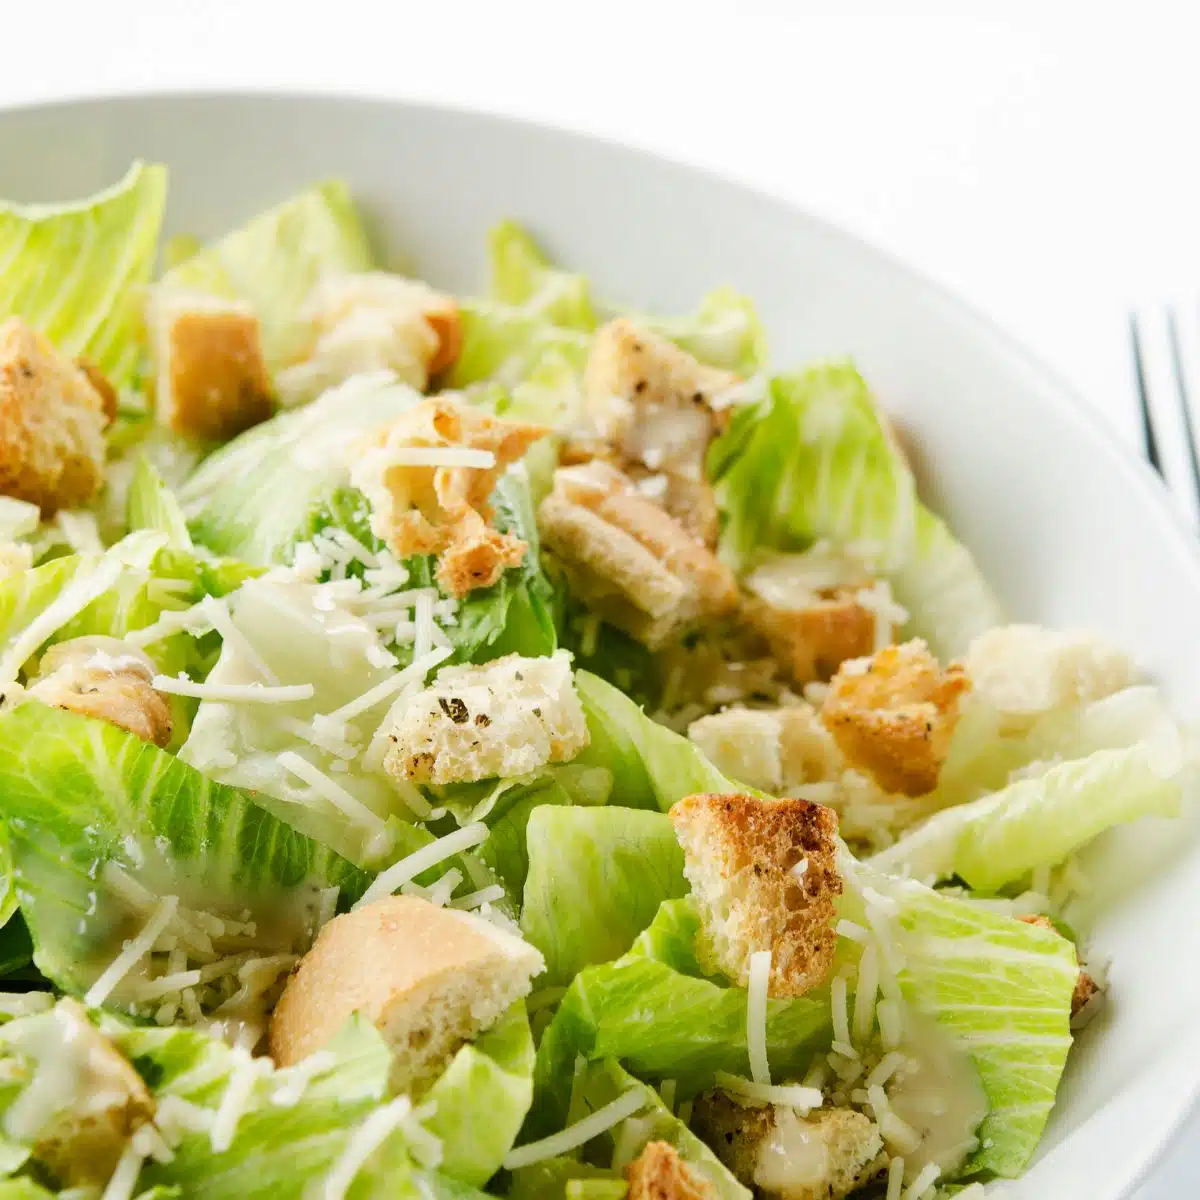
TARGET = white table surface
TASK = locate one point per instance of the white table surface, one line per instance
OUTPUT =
(1040, 159)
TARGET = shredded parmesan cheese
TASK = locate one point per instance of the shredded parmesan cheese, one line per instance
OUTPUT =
(579, 1134)
(124, 1178)
(923, 1182)
(293, 1081)
(132, 952)
(408, 868)
(233, 693)
(756, 1015)
(797, 1096)
(235, 1099)
(415, 671)
(362, 1143)
(895, 1179)
(330, 790)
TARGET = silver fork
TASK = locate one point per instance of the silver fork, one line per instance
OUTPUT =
(1165, 343)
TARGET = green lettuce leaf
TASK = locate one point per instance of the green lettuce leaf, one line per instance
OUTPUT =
(814, 460)
(25, 1189)
(522, 276)
(74, 270)
(597, 877)
(258, 495)
(81, 794)
(661, 1022)
(1037, 822)
(274, 260)
(1001, 989)
(481, 1099)
(151, 505)
(506, 343)
(724, 332)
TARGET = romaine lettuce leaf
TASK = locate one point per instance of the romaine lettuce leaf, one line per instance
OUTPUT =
(596, 879)
(1000, 988)
(1037, 822)
(81, 793)
(257, 495)
(274, 260)
(506, 343)
(73, 270)
(661, 1022)
(151, 505)
(481, 1099)
(724, 332)
(521, 275)
(814, 460)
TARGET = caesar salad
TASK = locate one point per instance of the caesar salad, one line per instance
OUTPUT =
(508, 745)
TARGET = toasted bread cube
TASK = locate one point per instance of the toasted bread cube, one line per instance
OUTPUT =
(104, 389)
(429, 978)
(771, 749)
(423, 508)
(628, 559)
(1025, 670)
(508, 717)
(82, 1142)
(893, 715)
(823, 1156)
(658, 1173)
(52, 423)
(1085, 986)
(652, 400)
(372, 321)
(742, 857)
(813, 642)
(104, 678)
(211, 382)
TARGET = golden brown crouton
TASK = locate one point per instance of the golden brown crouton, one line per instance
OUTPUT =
(658, 1173)
(102, 677)
(81, 1144)
(823, 1156)
(628, 559)
(211, 382)
(652, 400)
(104, 389)
(372, 321)
(764, 877)
(893, 714)
(429, 978)
(1085, 986)
(812, 642)
(424, 508)
(506, 718)
(51, 423)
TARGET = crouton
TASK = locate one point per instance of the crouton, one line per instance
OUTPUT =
(81, 1144)
(104, 389)
(508, 717)
(427, 508)
(823, 1156)
(429, 979)
(628, 559)
(51, 424)
(1085, 986)
(658, 1173)
(652, 400)
(742, 857)
(1024, 670)
(772, 749)
(210, 380)
(104, 678)
(893, 715)
(371, 321)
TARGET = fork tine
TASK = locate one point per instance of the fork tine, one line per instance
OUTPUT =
(1139, 373)
(1185, 403)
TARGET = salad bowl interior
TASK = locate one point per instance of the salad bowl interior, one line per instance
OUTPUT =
(1068, 529)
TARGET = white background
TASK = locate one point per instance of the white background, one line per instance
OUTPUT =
(1042, 160)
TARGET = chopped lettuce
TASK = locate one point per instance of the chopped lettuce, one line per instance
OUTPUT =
(505, 343)
(661, 1021)
(274, 260)
(814, 460)
(151, 505)
(724, 332)
(596, 879)
(1000, 988)
(74, 270)
(81, 794)
(1039, 821)
(481, 1099)
(257, 496)
(522, 276)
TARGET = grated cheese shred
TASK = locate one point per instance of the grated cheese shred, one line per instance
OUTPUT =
(757, 986)
(578, 1134)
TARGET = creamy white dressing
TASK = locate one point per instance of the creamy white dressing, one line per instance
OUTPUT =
(795, 581)
(937, 1092)
(792, 1158)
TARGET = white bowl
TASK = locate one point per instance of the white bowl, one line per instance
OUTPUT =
(1069, 529)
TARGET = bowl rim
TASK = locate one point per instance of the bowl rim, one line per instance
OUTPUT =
(1134, 470)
